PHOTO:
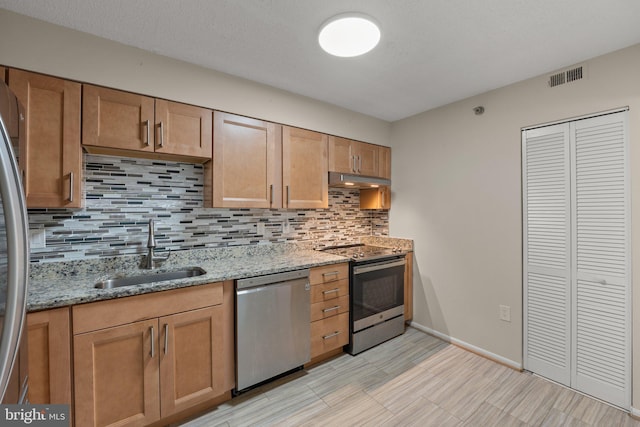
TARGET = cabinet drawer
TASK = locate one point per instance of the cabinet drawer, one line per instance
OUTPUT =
(114, 312)
(329, 273)
(329, 291)
(329, 334)
(329, 308)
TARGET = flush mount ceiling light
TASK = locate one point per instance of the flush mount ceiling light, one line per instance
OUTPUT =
(349, 34)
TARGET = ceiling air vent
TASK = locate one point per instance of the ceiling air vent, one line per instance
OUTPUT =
(566, 76)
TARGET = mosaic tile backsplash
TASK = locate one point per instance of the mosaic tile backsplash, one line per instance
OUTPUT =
(122, 194)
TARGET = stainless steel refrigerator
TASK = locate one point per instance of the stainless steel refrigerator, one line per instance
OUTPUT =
(14, 254)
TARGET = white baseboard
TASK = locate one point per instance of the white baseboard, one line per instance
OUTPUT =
(635, 412)
(467, 346)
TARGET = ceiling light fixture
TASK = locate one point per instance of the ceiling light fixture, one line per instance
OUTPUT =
(349, 34)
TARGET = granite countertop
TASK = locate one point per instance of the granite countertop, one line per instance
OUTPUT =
(59, 284)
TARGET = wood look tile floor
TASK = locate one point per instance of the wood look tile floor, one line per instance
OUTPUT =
(413, 380)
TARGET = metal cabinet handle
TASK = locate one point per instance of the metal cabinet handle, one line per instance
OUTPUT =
(71, 186)
(271, 194)
(331, 273)
(335, 307)
(359, 163)
(153, 344)
(287, 196)
(330, 291)
(148, 141)
(166, 337)
(161, 143)
(326, 337)
(353, 168)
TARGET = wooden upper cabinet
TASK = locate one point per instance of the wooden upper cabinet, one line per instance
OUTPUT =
(349, 156)
(3, 75)
(115, 120)
(305, 174)
(375, 198)
(384, 162)
(52, 157)
(247, 166)
(183, 129)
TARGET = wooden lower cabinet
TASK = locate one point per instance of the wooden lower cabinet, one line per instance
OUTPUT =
(408, 287)
(147, 371)
(191, 345)
(329, 334)
(49, 343)
(329, 310)
(116, 375)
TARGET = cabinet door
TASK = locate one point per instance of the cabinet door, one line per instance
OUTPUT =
(247, 165)
(52, 158)
(375, 198)
(408, 287)
(192, 367)
(116, 375)
(305, 174)
(384, 162)
(341, 156)
(116, 119)
(366, 158)
(2, 74)
(183, 129)
(49, 346)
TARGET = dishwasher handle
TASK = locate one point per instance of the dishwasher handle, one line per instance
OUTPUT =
(298, 282)
(272, 279)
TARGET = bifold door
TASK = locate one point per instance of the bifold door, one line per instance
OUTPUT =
(577, 279)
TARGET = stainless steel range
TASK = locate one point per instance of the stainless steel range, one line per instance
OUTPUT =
(376, 289)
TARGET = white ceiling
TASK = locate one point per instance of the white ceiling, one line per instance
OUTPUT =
(432, 52)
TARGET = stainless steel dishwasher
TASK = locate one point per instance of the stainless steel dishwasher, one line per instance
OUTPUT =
(273, 321)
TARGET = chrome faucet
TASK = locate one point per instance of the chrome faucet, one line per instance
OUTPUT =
(150, 261)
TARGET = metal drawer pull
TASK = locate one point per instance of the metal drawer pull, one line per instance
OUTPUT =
(331, 273)
(161, 144)
(147, 124)
(326, 310)
(153, 345)
(326, 337)
(71, 186)
(331, 291)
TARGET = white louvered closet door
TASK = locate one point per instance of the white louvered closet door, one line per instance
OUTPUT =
(547, 252)
(601, 273)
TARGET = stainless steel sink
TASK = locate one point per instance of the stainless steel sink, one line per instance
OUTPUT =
(182, 273)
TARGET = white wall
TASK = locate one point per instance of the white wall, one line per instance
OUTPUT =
(38, 46)
(457, 192)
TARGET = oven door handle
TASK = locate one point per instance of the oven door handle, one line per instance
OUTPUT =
(378, 266)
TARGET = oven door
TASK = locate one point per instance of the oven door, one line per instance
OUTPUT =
(377, 292)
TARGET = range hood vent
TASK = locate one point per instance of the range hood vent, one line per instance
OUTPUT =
(345, 180)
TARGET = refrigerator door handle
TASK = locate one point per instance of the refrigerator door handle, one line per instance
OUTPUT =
(16, 225)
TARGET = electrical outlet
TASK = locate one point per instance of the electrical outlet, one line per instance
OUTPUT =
(261, 228)
(37, 238)
(286, 227)
(505, 313)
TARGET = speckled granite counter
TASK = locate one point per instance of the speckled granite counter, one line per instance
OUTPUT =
(405, 245)
(66, 283)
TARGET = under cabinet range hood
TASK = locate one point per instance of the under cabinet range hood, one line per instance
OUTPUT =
(345, 180)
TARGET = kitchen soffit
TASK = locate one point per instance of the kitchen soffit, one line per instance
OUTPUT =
(432, 52)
